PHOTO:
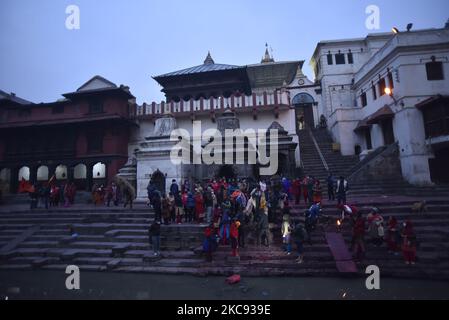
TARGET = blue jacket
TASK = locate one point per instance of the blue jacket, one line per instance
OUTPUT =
(314, 211)
(190, 201)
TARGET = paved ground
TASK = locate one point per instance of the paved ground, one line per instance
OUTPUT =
(51, 285)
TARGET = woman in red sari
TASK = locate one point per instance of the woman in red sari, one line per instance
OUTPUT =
(296, 186)
(317, 192)
(199, 206)
(392, 235)
(409, 243)
(304, 189)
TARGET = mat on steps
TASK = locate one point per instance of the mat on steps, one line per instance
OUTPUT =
(342, 256)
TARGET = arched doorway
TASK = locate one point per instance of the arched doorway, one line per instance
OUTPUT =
(24, 173)
(226, 171)
(158, 180)
(5, 180)
(303, 103)
(99, 173)
(61, 172)
(80, 176)
(42, 174)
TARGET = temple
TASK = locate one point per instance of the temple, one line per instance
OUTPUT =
(377, 110)
(82, 137)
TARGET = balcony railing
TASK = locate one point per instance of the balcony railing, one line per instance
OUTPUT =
(251, 102)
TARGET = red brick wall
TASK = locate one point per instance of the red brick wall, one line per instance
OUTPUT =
(74, 110)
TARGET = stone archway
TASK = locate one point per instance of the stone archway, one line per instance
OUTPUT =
(303, 103)
(227, 171)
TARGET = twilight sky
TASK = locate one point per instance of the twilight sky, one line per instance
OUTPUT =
(128, 41)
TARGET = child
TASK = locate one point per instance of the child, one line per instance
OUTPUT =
(286, 232)
(225, 226)
(234, 232)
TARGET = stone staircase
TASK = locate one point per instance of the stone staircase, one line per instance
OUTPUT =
(344, 165)
(311, 160)
(116, 240)
(24, 198)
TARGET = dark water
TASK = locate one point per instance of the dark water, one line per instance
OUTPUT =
(51, 285)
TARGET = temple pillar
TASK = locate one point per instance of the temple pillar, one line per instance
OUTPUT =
(14, 180)
(33, 174)
(70, 173)
(89, 176)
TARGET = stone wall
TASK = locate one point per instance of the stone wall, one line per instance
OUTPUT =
(385, 165)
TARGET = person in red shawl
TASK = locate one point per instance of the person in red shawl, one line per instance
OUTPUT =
(215, 186)
(66, 195)
(26, 187)
(199, 206)
(317, 192)
(296, 190)
(72, 193)
(409, 243)
(305, 192)
(358, 235)
(54, 196)
(392, 235)
(234, 234)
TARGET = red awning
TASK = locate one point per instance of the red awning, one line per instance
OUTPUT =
(431, 101)
(383, 113)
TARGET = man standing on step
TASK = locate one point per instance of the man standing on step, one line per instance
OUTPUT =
(331, 187)
(296, 186)
(156, 202)
(342, 188)
(155, 237)
(174, 188)
(299, 235)
(310, 184)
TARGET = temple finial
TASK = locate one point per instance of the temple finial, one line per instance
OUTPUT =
(209, 59)
(267, 57)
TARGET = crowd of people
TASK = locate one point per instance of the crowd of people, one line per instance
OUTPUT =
(102, 195)
(234, 209)
(55, 194)
(52, 195)
(371, 229)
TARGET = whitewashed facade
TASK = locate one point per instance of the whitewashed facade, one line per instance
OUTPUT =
(349, 98)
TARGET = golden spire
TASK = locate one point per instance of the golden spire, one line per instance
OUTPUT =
(267, 58)
(209, 59)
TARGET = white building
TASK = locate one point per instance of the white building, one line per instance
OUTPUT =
(262, 96)
(414, 65)
(350, 90)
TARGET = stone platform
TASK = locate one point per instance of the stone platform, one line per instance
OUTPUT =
(116, 240)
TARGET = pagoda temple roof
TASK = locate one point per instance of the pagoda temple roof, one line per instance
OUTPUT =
(268, 73)
(272, 74)
(209, 65)
(200, 69)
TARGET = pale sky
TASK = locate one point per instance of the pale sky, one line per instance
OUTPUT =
(128, 41)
